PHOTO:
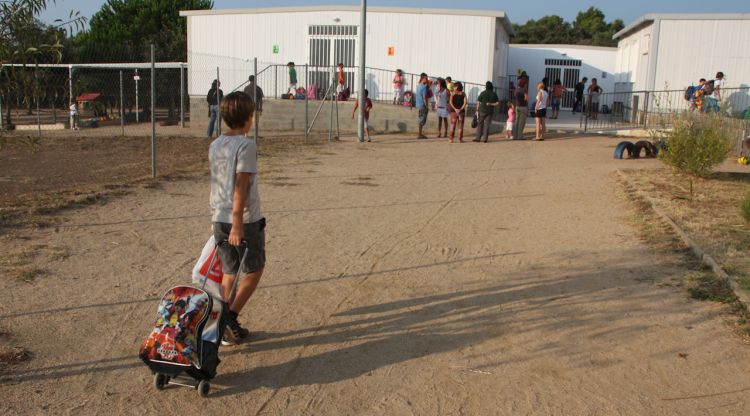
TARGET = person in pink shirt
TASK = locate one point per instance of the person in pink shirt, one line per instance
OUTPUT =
(398, 87)
(511, 120)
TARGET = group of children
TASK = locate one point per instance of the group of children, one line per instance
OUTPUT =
(706, 96)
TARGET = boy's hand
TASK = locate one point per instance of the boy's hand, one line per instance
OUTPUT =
(236, 236)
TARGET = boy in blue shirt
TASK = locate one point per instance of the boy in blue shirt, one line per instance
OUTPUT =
(422, 101)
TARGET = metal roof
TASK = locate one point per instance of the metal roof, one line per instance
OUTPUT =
(451, 12)
(648, 19)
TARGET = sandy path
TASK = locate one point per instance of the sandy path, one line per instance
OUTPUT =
(403, 278)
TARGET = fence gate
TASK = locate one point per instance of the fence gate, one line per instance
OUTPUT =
(568, 72)
(329, 46)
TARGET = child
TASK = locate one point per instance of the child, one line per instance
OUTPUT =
(368, 107)
(73, 116)
(342, 80)
(292, 78)
(398, 87)
(235, 206)
(441, 105)
(511, 120)
(458, 104)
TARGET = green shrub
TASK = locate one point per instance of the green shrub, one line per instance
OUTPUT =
(696, 144)
(745, 207)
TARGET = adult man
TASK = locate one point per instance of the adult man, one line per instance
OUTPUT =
(422, 101)
(251, 88)
(579, 89)
(487, 99)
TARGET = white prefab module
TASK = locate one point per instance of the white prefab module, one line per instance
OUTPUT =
(673, 51)
(468, 45)
(568, 63)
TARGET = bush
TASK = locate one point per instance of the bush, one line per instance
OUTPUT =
(696, 144)
(745, 207)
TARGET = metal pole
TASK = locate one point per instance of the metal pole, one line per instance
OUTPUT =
(153, 112)
(36, 93)
(275, 82)
(137, 78)
(362, 63)
(122, 105)
(255, 94)
(307, 117)
(334, 96)
(338, 132)
(218, 105)
(182, 95)
(70, 93)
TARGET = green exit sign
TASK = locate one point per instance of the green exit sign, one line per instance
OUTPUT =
(275, 48)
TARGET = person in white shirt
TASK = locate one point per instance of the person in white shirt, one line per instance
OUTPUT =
(74, 116)
(540, 108)
(714, 99)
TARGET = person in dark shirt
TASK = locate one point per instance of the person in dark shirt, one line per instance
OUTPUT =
(522, 106)
(213, 107)
(251, 88)
(579, 89)
(486, 100)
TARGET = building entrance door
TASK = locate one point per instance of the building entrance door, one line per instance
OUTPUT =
(329, 46)
(567, 71)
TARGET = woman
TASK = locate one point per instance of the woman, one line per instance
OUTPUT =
(458, 104)
(398, 87)
(540, 107)
(594, 91)
(213, 107)
(557, 93)
(441, 104)
(522, 107)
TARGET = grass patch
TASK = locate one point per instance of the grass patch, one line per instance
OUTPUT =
(28, 274)
(708, 287)
(14, 355)
(360, 181)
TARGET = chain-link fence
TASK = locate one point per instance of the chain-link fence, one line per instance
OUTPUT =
(657, 109)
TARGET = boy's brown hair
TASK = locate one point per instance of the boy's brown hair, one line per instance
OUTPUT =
(236, 109)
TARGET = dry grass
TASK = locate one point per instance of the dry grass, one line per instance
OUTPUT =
(13, 355)
(708, 210)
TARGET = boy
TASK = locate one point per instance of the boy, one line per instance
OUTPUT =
(235, 207)
(292, 78)
(368, 107)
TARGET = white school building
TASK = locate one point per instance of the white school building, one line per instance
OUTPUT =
(673, 51)
(468, 45)
(568, 63)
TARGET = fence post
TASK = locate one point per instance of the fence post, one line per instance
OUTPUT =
(70, 93)
(307, 117)
(136, 78)
(153, 112)
(255, 93)
(218, 105)
(276, 82)
(334, 96)
(645, 110)
(182, 95)
(36, 93)
(122, 105)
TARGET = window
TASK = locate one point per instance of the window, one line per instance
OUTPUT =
(332, 30)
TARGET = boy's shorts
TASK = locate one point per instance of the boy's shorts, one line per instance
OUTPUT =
(254, 235)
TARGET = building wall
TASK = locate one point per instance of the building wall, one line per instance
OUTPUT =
(694, 49)
(632, 61)
(442, 45)
(597, 62)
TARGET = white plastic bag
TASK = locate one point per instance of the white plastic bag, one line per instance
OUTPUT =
(200, 271)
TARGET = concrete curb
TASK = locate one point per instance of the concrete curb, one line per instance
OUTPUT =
(707, 259)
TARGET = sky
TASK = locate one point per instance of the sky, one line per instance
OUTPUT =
(518, 11)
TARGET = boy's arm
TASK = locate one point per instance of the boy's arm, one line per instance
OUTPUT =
(242, 181)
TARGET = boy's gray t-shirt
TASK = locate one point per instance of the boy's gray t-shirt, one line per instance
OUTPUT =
(227, 156)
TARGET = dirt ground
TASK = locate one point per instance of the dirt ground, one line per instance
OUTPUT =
(403, 277)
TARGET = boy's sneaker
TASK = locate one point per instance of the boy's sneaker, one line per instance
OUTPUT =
(234, 333)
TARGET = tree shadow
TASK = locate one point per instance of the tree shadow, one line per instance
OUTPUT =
(361, 340)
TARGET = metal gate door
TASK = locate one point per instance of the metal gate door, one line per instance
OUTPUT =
(567, 71)
(329, 46)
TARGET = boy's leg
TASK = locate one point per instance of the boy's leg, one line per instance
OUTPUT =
(453, 125)
(245, 289)
(461, 119)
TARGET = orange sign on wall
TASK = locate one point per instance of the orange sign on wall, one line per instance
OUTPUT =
(391, 51)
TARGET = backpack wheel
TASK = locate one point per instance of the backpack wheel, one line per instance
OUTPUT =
(204, 387)
(160, 381)
(622, 147)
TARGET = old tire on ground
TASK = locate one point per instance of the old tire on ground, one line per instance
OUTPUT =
(644, 145)
(622, 147)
